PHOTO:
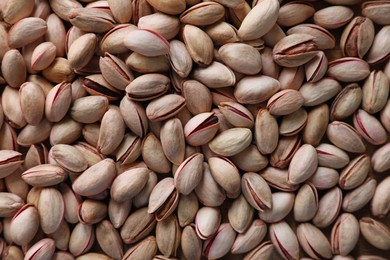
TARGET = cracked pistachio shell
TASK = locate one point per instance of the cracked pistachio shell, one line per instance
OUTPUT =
(9, 162)
(357, 37)
(24, 225)
(137, 226)
(164, 199)
(256, 191)
(122, 10)
(134, 116)
(377, 11)
(345, 234)
(189, 173)
(293, 123)
(345, 137)
(375, 232)
(237, 114)
(10, 204)
(146, 248)
(313, 241)
(219, 245)
(346, 102)
(207, 221)
(285, 102)
(109, 240)
(81, 51)
(26, 31)
(43, 55)
(157, 44)
(68, 158)
(359, 197)
(295, 50)
(380, 47)
(12, 108)
(180, 58)
(201, 129)
(89, 109)
(355, 173)
(278, 179)
(284, 240)
(166, 25)
(375, 92)
(165, 107)
(285, 150)
(43, 249)
(169, 7)
(331, 156)
(58, 101)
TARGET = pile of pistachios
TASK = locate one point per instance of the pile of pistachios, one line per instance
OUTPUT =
(190, 129)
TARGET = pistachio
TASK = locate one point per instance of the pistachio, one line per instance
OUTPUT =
(313, 241)
(376, 233)
(164, 199)
(284, 240)
(359, 197)
(357, 37)
(259, 20)
(379, 203)
(220, 243)
(345, 137)
(348, 69)
(295, 50)
(345, 234)
(203, 14)
(207, 222)
(306, 203)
